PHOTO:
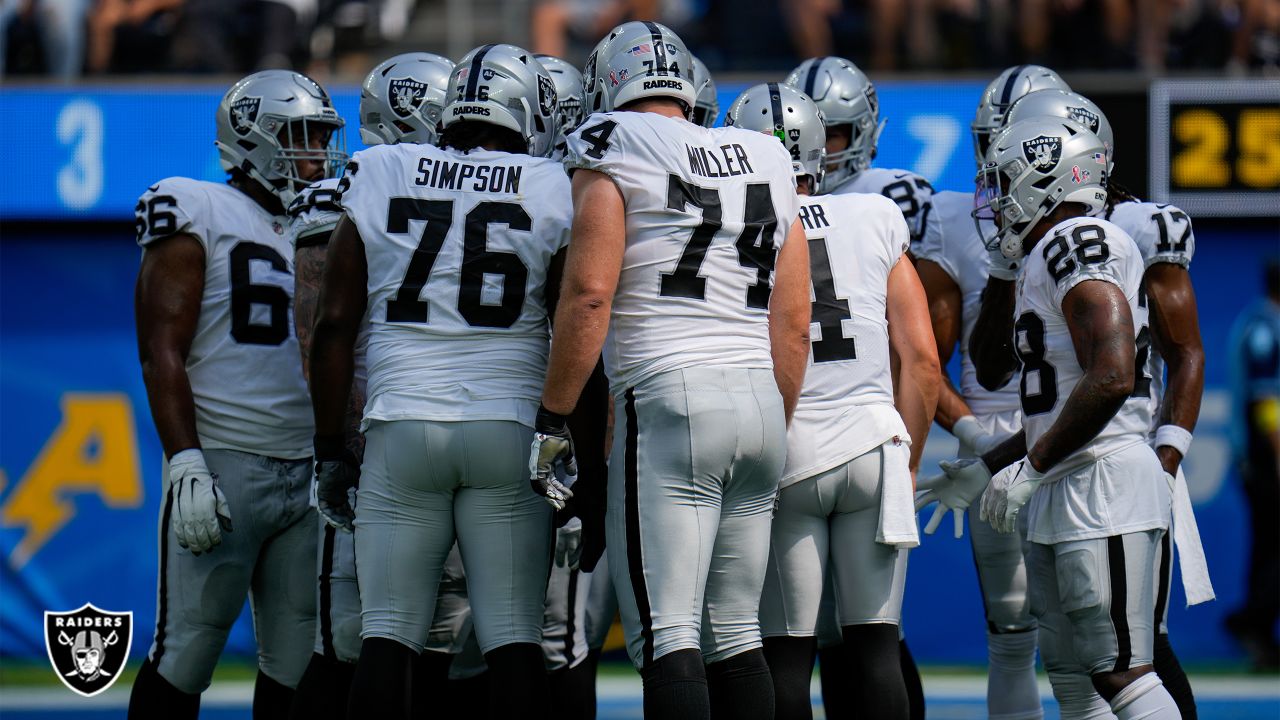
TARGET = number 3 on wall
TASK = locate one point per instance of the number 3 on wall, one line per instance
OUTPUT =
(79, 126)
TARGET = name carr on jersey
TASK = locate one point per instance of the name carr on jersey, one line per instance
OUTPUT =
(708, 163)
(445, 175)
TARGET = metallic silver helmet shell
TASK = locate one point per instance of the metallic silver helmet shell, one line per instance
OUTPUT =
(707, 107)
(999, 96)
(402, 99)
(256, 125)
(1070, 105)
(569, 93)
(638, 60)
(845, 96)
(1031, 168)
(789, 115)
(507, 86)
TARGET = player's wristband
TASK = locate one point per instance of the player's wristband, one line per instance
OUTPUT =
(1175, 437)
(550, 422)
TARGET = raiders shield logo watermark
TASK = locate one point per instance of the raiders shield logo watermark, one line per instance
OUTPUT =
(1043, 152)
(406, 95)
(88, 647)
(243, 114)
(1085, 117)
(546, 95)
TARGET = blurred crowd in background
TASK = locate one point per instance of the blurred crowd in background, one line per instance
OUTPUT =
(69, 39)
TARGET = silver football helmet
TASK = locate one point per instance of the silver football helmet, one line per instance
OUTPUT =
(1070, 105)
(846, 97)
(1001, 93)
(639, 60)
(507, 86)
(273, 119)
(569, 94)
(1031, 168)
(402, 99)
(707, 108)
(789, 115)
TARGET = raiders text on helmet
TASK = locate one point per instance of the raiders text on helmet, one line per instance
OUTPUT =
(638, 60)
(1069, 105)
(1031, 168)
(845, 96)
(1001, 93)
(789, 115)
(402, 99)
(507, 86)
(266, 123)
(707, 107)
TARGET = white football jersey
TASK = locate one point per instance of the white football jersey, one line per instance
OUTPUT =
(846, 403)
(244, 366)
(707, 212)
(912, 193)
(1163, 234)
(458, 246)
(952, 241)
(312, 217)
(1072, 252)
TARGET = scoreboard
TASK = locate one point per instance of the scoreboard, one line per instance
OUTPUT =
(1215, 146)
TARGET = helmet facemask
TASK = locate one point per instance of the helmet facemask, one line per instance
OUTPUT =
(303, 141)
(995, 206)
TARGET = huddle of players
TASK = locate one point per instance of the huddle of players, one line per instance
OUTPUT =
(770, 357)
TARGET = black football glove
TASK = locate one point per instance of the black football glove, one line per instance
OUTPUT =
(551, 445)
(337, 471)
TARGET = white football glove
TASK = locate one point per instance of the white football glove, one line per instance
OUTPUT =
(1009, 490)
(200, 514)
(1001, 267)
(961, 483)
(569, 544)
(971, 435)
(551, 446)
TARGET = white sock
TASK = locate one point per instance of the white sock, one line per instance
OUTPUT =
(1145, 699)
(1077, 700)
(1012, 693)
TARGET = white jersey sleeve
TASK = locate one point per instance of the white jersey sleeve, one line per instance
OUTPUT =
(1073, 252)
(457, 246)
(707, 210)
(244, 366)
(846, 403)
(912, 194)
(1162, 232)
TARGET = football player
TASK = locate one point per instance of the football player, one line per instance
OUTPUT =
(568, 81)
(707, 108)
(1163, 234)
(401, 100)
(1097, 502)
(452, 253)
(954, 264)
(687, 252)
(848, 447)
(220, 363)
(851, 110)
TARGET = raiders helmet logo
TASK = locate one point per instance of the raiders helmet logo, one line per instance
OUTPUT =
(406, 95)
(546, 95)
(244, 112)
(1085, 117)
(794, 134)
(88, 647)
(1043, 152)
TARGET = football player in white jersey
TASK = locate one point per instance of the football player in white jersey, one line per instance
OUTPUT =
(846, 486)
(852, 111)
(401, 100)
(687, 253)
(220, 363)
(1096, 499)
(1163, 234)
(450, 252)
(569, 115)
(953, 264)
(707, 107)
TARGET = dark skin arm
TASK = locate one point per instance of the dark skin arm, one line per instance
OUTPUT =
(1101, 326)
(1175, 332)
(946, 306)
(991, 344)
(343, 295)
(166, 309)
(1006, 453)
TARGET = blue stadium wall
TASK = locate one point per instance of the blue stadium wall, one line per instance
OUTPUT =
(80, 460)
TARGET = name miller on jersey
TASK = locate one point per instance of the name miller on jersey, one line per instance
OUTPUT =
(707, 163)
(487, 177)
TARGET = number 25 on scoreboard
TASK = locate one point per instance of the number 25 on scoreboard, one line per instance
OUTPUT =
(1224, 146)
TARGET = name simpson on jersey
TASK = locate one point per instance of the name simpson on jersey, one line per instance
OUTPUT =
(446, 175)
